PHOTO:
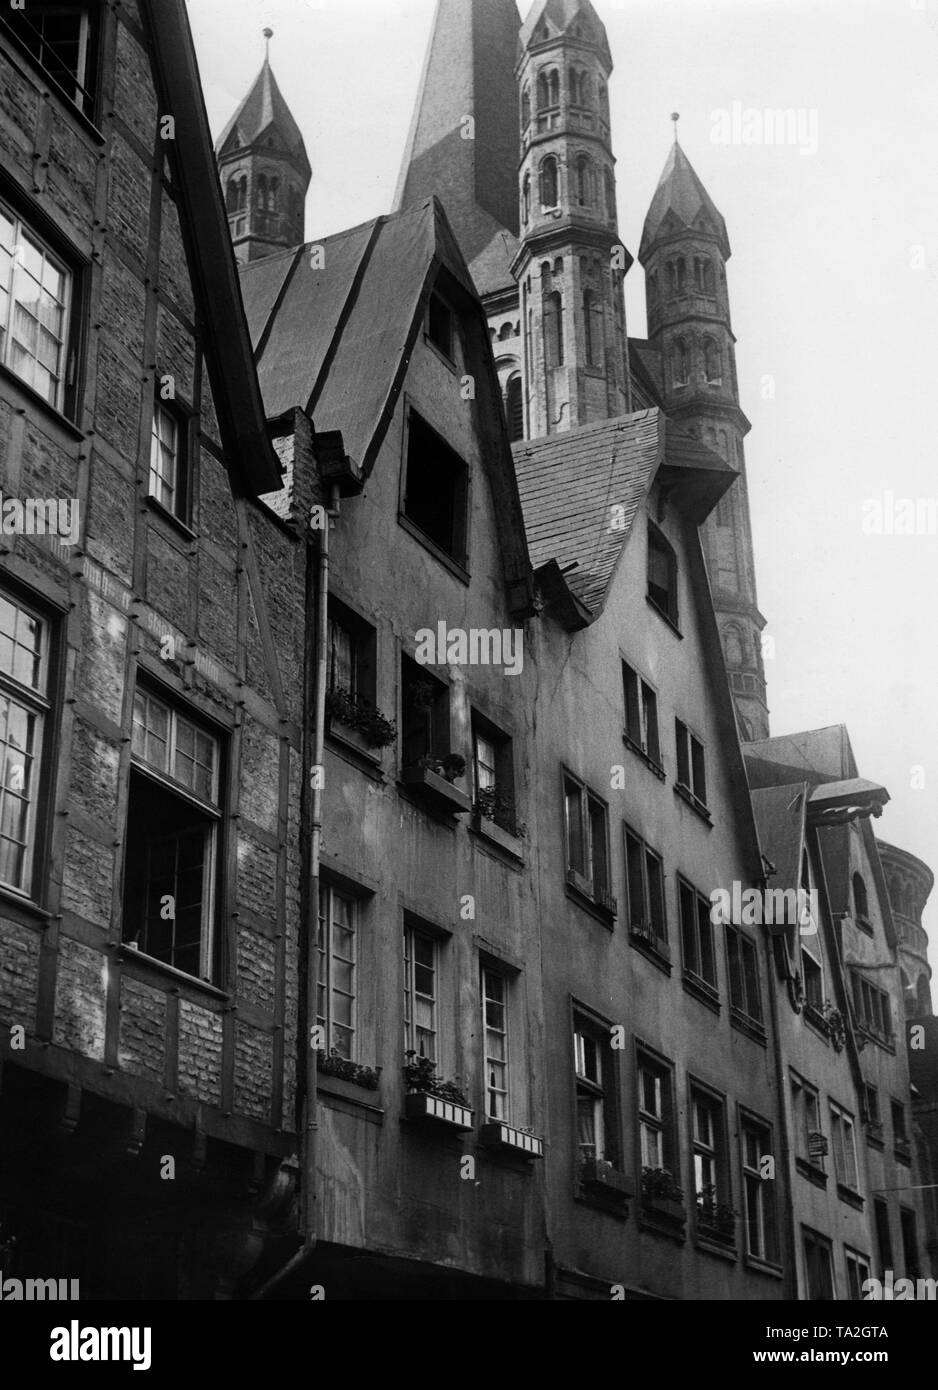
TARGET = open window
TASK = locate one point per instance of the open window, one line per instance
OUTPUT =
(63, 40)
(493, 776)
(436, 489)
(170, 460)
(697, 937)
(641, 716)
(644, 882)
(662, 575)
(586, 832)
(172, 840)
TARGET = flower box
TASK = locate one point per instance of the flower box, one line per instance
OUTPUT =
(498, 1135)
(420, 1105)
(491, 830)
(600, 1178)
(667, 1209)
(437, 790)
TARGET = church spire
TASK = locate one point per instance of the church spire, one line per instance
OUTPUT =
(264, 169)
(571, 265)
(684, 250)
(463, 141)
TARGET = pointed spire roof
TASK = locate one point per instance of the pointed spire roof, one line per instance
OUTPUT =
(681, 203)
(558, 17)
(262, 110)
(469, 71)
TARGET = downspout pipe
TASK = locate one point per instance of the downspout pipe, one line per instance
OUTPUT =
(316, 672)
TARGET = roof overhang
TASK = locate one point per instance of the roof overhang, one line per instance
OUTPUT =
(839, 803)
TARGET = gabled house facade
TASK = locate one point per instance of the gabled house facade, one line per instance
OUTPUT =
(152, 685)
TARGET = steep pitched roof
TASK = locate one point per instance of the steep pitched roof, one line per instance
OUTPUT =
(264, 107)
(337, 340)
(558, 16)
(209, 251)
(570, 482)
(469, 71)
(780, 820)
(680, 203)
(813, 756)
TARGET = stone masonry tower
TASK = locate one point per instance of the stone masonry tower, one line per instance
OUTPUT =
(684, 251)
(264, 171)
(909, 883)
(571, 264)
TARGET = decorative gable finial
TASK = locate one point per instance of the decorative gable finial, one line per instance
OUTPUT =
(675, 117)
(268, 35)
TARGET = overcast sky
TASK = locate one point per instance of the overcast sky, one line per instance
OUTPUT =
(833, 288)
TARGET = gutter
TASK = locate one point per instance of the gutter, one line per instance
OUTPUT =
(315, 677)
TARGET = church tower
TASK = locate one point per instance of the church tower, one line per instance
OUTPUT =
(571, 264)
(684, 251)
(264, 171)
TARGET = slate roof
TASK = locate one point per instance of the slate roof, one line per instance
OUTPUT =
(469, 70)
(561, 14)
(263, 107)
(570, 482)
(680, 201)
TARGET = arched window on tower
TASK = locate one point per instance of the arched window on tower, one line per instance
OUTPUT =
(733, 646)
(584, 181)
(514, 408)
(604, 102)
(609, 180)
(273, 195)
(681, 274)
(672, 277)
(713, 367)
(543, 92)
(680, 365)
(526, 199)
(593, 329)
(861, 902)
(553, 329)
(573, 78)
(553, 86)
(231, 196)
(549, 190)
(709, 285)
(525, 108)
(260, 193)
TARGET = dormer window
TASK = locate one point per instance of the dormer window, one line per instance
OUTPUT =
(440, 325)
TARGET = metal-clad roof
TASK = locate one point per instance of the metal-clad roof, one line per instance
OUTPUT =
(263, 108)
(780, 821)
(680, 203)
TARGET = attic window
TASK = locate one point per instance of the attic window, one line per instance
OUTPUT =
(440, 325)
(436, 489)
(662, 575)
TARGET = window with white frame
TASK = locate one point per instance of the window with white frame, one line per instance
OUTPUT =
(844, 1145)
(24, 675)
(35, 302)
(172, 840)
(495, 991)
(169, 460)
(594, 1069)
(761, 1214)
(421, 992)
(337, 947)
(657, 1142)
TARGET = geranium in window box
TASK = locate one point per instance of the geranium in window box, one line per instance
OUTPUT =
(361, 716)
(600, 1177)
(496, 1134)
(332, 1064)
(662, 1195)
(429, 1097)
(716, 1220)
(496, 808)
(436, 778)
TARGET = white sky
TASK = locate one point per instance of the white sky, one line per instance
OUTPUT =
(833, 287)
